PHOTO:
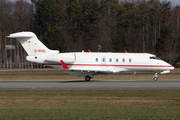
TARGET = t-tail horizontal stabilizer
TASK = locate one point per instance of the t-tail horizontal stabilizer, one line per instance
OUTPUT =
(31, 44)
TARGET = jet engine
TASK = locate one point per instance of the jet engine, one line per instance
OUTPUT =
(66, 57)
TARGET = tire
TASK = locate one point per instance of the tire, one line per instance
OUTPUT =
(87, 78)
(155, 78)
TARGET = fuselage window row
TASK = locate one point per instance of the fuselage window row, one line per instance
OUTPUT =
(110, 60)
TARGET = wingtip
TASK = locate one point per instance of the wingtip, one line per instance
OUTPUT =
(125, 51)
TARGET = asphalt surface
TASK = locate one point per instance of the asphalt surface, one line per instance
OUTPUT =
(91, 85)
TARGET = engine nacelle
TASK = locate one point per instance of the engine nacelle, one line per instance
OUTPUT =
(36, 59)
(66, 57)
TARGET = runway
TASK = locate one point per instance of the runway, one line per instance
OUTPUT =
(92, 85)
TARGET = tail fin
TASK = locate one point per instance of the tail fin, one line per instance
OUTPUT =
(31, 44)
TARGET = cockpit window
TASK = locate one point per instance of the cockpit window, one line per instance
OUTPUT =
(152, 58)
(158, 58)
(155, 57)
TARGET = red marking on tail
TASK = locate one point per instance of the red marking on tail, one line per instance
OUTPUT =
(64, 65)
(125, 51)
(89, 50)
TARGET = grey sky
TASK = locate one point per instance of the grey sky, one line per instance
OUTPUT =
(24, 0)
(175, 2)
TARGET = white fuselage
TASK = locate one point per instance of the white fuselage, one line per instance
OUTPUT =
(108, 61)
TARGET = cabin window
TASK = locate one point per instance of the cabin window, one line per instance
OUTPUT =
(96, 59)
(110, 59)
(123, 60)
(103, 59)
(130, 60)
(117, 60)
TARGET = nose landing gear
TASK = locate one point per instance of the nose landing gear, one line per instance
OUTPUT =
(155, 76)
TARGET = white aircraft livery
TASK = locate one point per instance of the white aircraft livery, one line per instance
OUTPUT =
(88, 64)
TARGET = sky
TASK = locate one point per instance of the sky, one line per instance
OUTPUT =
(16, 0)
(174, 2)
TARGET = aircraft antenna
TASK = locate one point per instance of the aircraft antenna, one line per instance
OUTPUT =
(99, 47)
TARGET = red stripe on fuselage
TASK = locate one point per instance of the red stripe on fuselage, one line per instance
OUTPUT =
(111, 65)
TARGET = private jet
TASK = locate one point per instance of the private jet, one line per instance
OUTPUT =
(88, 64)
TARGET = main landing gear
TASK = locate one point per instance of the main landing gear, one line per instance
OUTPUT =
(88, 78)
(155, 76)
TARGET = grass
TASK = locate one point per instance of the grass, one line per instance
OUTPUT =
(100, 105)
(57, 74)
(88, 104)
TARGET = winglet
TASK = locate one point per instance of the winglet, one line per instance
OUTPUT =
(64, 65)
(125, 51)
(89, 50)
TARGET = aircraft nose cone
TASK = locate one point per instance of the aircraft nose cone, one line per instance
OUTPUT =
(171, 67)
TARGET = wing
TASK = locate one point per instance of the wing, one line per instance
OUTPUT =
(90, 72)
(82, 72)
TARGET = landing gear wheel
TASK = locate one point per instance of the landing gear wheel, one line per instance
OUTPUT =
(155, 78)
(87, 78)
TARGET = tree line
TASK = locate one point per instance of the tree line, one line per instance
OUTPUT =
(139, 26)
